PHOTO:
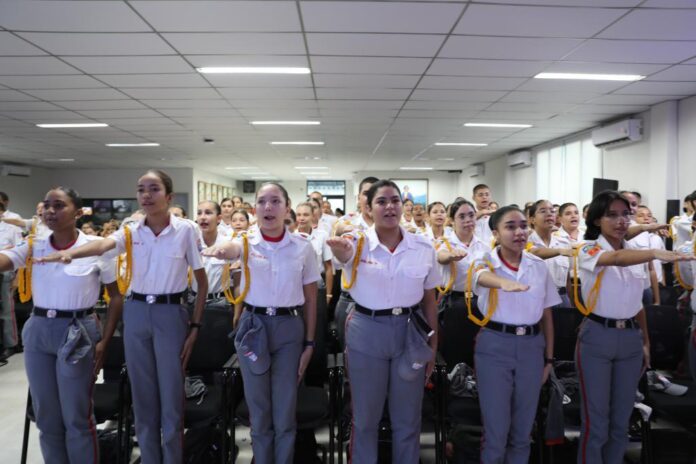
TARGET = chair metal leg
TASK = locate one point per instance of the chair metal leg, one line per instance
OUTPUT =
(333, 414)
(339, 396)
(225, 418)
(27, 421)
(235, 377)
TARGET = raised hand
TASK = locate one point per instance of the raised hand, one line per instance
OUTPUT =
(57, 257)
(512, 286)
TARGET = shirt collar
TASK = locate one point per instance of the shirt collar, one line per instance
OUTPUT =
(174, 224)
(407, 240)
(604, 243)
(498, 264)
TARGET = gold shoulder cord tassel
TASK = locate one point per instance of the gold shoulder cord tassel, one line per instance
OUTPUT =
(677, 274)
(227, 278)
(24, 277)
(594, 292)
(453, 270)
(492, 297)
(356, 261)
(124, 280)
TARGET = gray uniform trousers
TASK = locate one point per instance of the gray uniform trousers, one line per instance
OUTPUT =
(7, 312)
(692, 348)
(272, 396)
(509, 370)
(61, 392)
(154, 336)
(374, 347)
(609, 363)
(343, 307)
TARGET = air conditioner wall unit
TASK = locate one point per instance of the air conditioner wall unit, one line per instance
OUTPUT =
(476, 170)
(618, 133)
(519, 159)
(17, 171)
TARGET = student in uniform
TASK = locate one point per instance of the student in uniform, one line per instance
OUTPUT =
(514, 349)
(613, 345)
(226, 210)
(178, 211)
(419, 219)
(208, 217)
(681, 225)
(240, 221)
(10, 236)
(407, 218)
(324, 219)
(5, 200)
(237, 202)
(482, 198)
(438, 216)
(391, 274)
(493, 206)
(651, 241)
(34, 226)
(570, 223)
(158, 336)
(280, 291)
(63, 342)
(305, 212)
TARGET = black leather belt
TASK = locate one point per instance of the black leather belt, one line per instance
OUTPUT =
(462, 294)
(411, 310)
(615, 323)
(347, 296)
(210, 296)
(514, 329)
(167, 298)
(61, 313)
(271, 311)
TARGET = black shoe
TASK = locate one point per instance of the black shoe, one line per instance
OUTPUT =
(6, 353)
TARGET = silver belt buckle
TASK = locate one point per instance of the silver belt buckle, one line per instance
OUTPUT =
(51, 313)
(397, 311)
(151, 299)
(270, 311)
(621, 324)
(521, 330)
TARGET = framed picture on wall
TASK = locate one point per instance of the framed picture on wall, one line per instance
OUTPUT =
(201, 190)
(415, 190)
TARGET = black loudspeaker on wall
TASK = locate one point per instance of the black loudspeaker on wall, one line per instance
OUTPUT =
(248, 186)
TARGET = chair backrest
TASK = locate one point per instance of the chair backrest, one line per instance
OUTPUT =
(458, 333)
(214, 346)
(114, 359)
(317, 373)
(565, 323)
(667, 341)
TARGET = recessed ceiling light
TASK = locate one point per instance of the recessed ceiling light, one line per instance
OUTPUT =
(311, 167)
(147, 144)
(297, 143)
(240, 168)
(486, 124)
(591, 77)
(72, 126)
(460, 144)
(253, 70)
(59, 160)
(285, 123)
(415, 169)
(445, 159)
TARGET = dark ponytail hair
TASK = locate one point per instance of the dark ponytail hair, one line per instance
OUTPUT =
(497, 216)
(165, 178)
(372, 191)
(598, 208)
(280, 187)
(75, 197)
(454, 207)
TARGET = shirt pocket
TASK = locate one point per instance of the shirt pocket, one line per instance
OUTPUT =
(80, 270)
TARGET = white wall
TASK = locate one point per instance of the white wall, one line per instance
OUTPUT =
(686, 147)
(26, 192)
(442, 186)
(495, 177)
(211, 178)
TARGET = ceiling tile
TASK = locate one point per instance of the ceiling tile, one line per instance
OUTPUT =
(533, 21)
(362, 93)
(100, 105)
(105, 115)
(172, 94)
(69, 16)
(99, 44)
(369, 65)
(153, 80)
(551, 107)
(30, 65)
(660, 88)
(520, 48)
(467, 95)
(237, 43)
(251, 80)
(548, 97)
(383, 17)
(11, 45)
(445, 105)
(669, 4)
(13, 95)
(585, 3)
(266, 93)
(28, 106)
(634, 99)
(50, 82)
(470, 83)
(675, 73)
(654, 24)
(494, 68)
(129, 64)
(396, 45)
(566, 85)
(77, 94)
(365, 80)
(220, 16)
(633, 51)
(604, 68)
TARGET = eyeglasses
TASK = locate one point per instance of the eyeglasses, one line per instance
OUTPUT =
(612, 216)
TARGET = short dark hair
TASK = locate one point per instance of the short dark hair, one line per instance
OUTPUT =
(165, 178)
(565, 206)
(183, 210)
(378, 184)
(75, 197)
(241, 211)
(454, 207)
(241, 200)
(407, 200)
(216, 206)
(480, 187)
(533, 209)
(280, 187)
(4, 197)
(225, 199)
(434, 204)
(366, 180)
(598, 208)
(497, 216)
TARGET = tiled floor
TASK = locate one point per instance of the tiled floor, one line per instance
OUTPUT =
(13, 396)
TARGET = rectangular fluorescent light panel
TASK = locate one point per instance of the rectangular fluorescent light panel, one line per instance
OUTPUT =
(59, 160)
(285, 123)
(297, 143)
(234, 168)
(311, 167)
(415, 169)
(504, 126)
(148, 144)
(460, 144)
(252, 70)
(72, 126)
(591, 77)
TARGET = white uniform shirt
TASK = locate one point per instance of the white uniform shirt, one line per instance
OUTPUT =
(357, 221)
(558, 266)
(65, 286)
(226, 230)
(483, 230)
(387, 280)
(322, 251)
(518, 308)
(11, 215)
(656, 243)
(476, 249)
(213, 267)
(327, 221)
(160, 263)
(644, 241)
(563, 234)
(279, 270)
(681, 229)
(10, 236)
(621, 292)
